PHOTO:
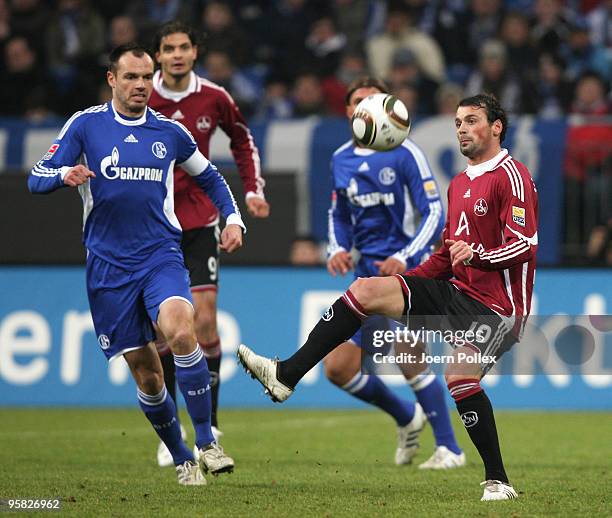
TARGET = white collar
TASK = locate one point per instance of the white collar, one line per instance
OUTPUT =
(473, 171)
(128, 122)
(363, 151)
(166, 93)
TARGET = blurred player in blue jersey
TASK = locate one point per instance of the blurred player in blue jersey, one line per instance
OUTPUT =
(387, 205)
(121, 156)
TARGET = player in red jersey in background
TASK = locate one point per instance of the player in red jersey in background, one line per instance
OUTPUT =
(481, 279)
(201, 106)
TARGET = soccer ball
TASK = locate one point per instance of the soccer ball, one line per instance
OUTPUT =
(380, 122)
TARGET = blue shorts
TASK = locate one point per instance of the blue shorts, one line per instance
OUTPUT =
(363, 337)
(123, 304)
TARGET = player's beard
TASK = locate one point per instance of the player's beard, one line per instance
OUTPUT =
(178, 77)
(470, 151)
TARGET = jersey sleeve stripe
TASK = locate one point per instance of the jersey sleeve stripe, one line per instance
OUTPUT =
(420, 159)
(333, 246)
(504, 251)
(427, 231)
(343, 147)
(39, 170)
(519, 180)
(533, 241)
(515, 180)
(511, 178)
(260, 182)
(161, 117)
(519, 251)
(92, 109)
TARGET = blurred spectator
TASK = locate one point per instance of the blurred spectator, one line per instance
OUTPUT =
(590, 97)
(307, 95)
(600, 25)
(150, 14)
(588, 166)
(485, 20)
(409, 95)
(493, 76)
(352, 65)
(551, 26)
(219, 68)
(74, 40)
(553, 93)
(522, 55)
(122, 30)
(29, 18)
(405, 72)
(288, 25)
(358, 19)
(401, 33)
(5, 28)
(423, 12)
(108, 9)
(448, 97)
(581, 55)
(223, 34)
(275, 102)
(305, 251)
(324, 46)
(450, 30)
(599, 246)
(23, 82)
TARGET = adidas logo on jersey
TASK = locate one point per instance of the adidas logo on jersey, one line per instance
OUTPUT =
(177, 115)
(467, 194)
(364, 167)
(131, 138)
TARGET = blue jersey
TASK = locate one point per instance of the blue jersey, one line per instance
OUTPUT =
(384, 203)
(128, 208)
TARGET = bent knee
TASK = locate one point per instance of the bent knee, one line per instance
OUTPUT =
(377, 294)
(150, 381)
(338, 373)
(182, 341)
(366, 290)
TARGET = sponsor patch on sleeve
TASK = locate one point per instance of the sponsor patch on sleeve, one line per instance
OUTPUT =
(51, 152)
(518, 215)
(431, 190)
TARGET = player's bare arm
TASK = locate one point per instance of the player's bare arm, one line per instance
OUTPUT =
(258, 207)
(460, 252)
(231, 238)
(78, 175)
(340, 263)
(390, 266)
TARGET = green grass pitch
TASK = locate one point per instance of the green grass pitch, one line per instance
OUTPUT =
(301, 463)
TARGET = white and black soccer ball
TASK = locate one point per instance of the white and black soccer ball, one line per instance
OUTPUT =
(380, 122)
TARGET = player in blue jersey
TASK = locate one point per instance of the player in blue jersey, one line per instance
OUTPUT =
(121, 157)
(387, 206)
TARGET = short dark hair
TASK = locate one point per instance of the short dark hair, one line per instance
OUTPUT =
(135, 48)
(493, 109)
(365, 82)
(173, 28)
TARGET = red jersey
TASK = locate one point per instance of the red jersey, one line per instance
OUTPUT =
(493, 207)
(201, 108)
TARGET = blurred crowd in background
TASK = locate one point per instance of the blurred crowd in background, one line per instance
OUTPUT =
(295, 58)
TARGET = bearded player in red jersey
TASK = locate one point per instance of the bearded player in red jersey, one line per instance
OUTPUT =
(481, 279)
(201, 106)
